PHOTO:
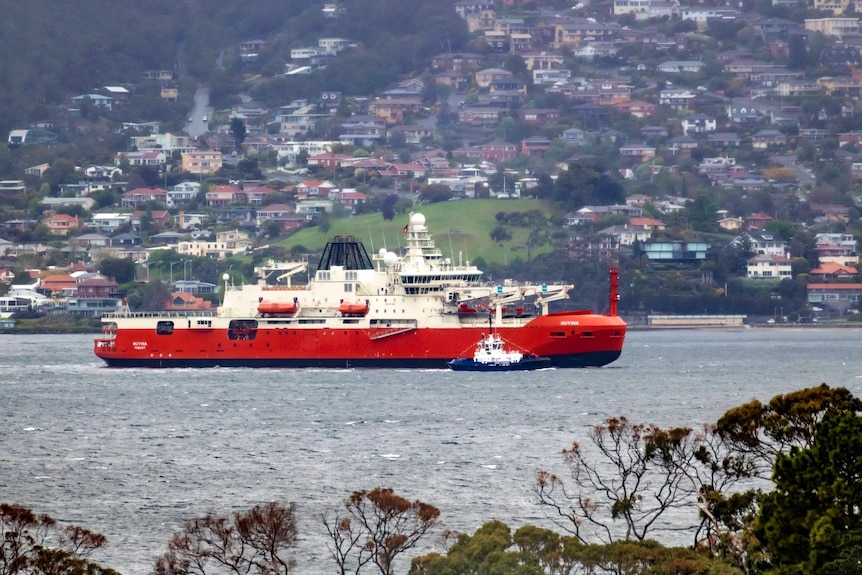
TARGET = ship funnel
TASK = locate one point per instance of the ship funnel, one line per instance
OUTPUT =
(347, 252)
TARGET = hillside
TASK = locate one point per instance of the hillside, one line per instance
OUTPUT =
(51, 54)
(460, 229)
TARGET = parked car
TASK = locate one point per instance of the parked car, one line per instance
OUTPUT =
(205, 118)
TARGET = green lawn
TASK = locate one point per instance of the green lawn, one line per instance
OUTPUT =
(460, 229)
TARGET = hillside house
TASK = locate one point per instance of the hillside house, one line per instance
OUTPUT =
(833, 272)
(627, 235)
(762, 242)
(698, 124)
(836, 248)
(132, 198)
(763, 139)
(62, 224)
(680, 67)
(152, 158)
(314, 189)
(677, 98)
(838, 297)
(224, 196)
(233, 242)
(675, 252)
(768, 266)
(201, 162)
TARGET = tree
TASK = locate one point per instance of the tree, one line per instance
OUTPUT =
(584, 183)
(323, 221)
(645, 484)
(701, 212)
(238, 130)
(35, 545)
(253, 541)
(152, 297)
(760, 432)
(121, 269)
(379, 527)
(535, 239)
(387, 207)
(536, 551)
(816, 507)
(500, 234)
(501, 182)
(433, 193)
(488, 550)
(798, 52)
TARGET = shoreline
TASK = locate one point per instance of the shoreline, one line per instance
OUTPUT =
(843, 325)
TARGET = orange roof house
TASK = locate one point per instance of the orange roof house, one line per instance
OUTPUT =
(59, 284)
(832, 270)
(188, 302)
(62, 224)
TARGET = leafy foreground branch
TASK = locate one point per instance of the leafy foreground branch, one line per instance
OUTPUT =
(620, 489)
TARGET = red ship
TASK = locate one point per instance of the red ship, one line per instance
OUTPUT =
(414, 310)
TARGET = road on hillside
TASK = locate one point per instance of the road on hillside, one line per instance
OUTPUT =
(197, 126)
(803, 174)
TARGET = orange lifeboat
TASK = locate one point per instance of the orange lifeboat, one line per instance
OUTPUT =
(267, 308)
(353, 308)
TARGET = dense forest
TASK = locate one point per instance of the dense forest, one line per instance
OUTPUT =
(61, 51)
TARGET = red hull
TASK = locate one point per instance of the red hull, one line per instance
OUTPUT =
(569, 340)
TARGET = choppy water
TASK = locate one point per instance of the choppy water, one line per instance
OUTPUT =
(132, 453)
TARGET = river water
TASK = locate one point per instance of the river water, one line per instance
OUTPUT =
(133, 453)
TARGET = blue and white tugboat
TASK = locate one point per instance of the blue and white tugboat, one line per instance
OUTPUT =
(492, 355)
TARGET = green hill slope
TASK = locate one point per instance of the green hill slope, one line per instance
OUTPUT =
(460, 229)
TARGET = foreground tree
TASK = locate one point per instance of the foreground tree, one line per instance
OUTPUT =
(815, 512)
(379, 527)
(253, 541)
(632, 475)
(759, 432)
(644, 485)
(537, 551)
(35, 545)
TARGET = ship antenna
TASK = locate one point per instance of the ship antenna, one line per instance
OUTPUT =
(451, 249)
(614, 295)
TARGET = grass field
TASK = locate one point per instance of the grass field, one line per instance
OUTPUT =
(460, 229)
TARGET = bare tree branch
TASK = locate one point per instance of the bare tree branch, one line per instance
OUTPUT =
(250, 542)
(388, 523)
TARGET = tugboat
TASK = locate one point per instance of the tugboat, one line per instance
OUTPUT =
(491, 355)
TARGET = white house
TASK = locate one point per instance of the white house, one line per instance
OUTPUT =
(763, 242)
(680, 66)
(768, 266)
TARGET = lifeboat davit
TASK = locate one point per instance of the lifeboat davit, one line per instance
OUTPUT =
(353, 308)
(267, 308)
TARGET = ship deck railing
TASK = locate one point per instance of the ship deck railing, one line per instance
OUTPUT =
(159, 314)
